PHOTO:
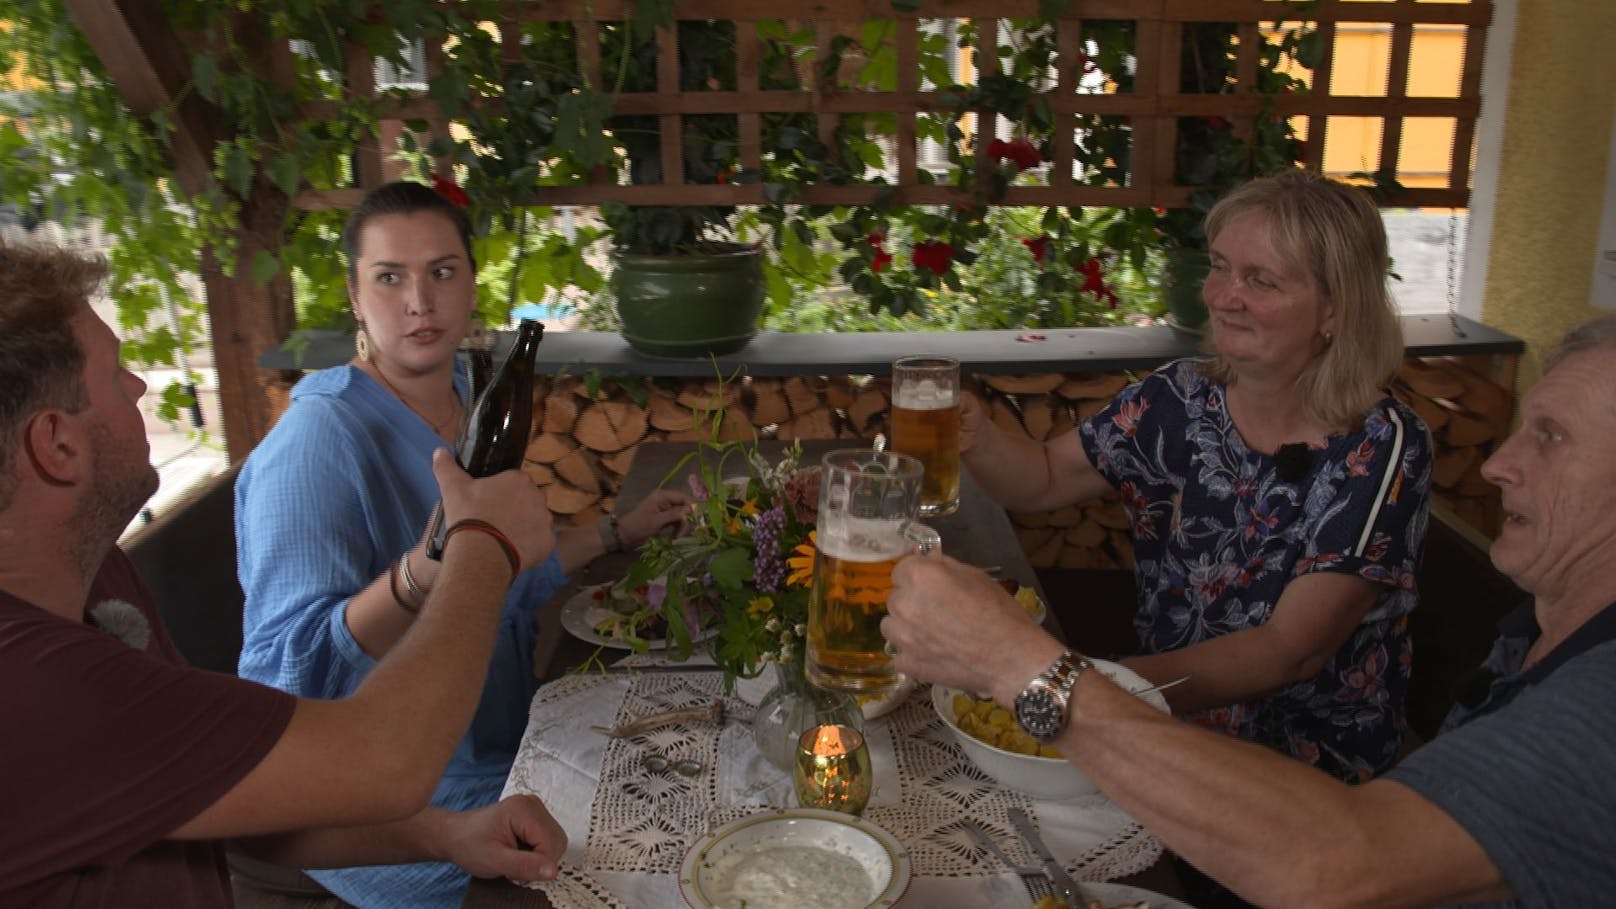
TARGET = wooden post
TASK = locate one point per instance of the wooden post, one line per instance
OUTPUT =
(247, 319)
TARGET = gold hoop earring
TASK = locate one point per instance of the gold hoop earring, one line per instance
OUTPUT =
(361, 343)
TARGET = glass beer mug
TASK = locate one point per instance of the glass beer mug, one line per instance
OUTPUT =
(925, 425)
(867, 500)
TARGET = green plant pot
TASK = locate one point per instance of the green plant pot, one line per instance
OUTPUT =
(689, 305)
(1182, 278)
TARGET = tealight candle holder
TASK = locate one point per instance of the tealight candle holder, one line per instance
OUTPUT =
(832, 769)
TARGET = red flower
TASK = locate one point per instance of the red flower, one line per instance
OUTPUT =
(1018, 151)
(935, 255)
(1038, 246)
(450, 190)
(882, 258)
(1094, 282)
(1217, 122)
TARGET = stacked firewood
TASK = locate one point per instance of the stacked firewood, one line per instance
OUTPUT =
(585, 442)
(589, 431)
(1467, 403)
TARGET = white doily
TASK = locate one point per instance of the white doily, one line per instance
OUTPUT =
(629, 828)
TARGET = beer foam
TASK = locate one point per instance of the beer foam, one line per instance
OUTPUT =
(923, 395)
(863, 540)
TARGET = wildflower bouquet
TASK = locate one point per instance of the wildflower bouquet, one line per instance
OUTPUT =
(745, 563)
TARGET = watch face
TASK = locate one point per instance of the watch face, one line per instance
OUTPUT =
(1041, 713)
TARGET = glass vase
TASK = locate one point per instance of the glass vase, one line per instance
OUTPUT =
(791, 707)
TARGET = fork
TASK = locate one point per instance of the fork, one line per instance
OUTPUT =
(1032, 877)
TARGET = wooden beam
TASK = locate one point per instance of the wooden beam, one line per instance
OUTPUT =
(151, 69)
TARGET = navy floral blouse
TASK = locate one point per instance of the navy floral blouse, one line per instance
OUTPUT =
(1218, 533)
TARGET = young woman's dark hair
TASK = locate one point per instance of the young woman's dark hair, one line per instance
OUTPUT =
(402, 199)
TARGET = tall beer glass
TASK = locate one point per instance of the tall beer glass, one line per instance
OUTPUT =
(925, 426)
(866, 501)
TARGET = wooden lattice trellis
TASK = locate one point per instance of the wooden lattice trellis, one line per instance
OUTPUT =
(1152, 109)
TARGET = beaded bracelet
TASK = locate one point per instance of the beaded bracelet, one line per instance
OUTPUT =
(511, 554)
(392, 587)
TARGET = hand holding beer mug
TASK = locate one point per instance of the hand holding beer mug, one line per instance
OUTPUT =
(925, 426)
(867, 502)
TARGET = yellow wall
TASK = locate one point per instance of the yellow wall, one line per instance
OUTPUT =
(1556, 141)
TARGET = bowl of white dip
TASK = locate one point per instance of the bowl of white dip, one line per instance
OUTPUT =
(793, 857)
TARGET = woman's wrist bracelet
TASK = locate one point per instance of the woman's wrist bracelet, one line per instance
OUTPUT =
(505, 544)
(611, 534)
(417, 592)
(392, 587)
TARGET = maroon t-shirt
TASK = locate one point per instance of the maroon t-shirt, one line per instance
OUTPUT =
(105, 749)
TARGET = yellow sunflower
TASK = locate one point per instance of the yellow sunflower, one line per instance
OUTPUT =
(801, 562)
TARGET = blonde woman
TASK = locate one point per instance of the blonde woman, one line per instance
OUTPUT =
(1278, 495)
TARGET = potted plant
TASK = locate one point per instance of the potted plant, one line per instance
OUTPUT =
(682, 285)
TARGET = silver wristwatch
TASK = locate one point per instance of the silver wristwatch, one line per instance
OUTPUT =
(1041, 706)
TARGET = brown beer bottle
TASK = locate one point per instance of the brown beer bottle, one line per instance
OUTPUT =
(501, 422)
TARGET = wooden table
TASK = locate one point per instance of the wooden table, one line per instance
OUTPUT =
(979, 533)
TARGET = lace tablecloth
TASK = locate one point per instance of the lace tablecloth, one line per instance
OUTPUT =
(629, 828)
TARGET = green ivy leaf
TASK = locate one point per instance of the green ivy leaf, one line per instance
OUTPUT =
(286, 172)
(1309, 49)
(264, 268)
(205, 75)
(237, 167)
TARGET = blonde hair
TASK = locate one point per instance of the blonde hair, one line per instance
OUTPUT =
(1332, 233)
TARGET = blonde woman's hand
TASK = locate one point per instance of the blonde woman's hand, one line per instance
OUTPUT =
(658, 511)
(975, 425)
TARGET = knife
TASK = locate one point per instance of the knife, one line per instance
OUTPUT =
(1069, 888)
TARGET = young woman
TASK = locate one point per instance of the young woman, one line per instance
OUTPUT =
(332, 506)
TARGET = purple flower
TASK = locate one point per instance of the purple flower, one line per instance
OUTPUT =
(656, 592)
(770, 567)
(698, 489)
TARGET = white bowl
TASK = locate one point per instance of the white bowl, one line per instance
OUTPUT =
(789, 852)
(1039, 777)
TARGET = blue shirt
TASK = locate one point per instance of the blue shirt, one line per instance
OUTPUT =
(1219, 530)
(336, 492)
(1528, 766)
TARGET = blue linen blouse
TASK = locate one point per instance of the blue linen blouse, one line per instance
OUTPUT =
(325, 504)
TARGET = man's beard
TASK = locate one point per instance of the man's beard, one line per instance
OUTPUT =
(121, 481)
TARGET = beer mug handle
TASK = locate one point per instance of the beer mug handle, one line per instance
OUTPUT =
(923, 539)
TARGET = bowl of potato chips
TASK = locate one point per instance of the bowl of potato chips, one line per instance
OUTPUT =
(993, 740)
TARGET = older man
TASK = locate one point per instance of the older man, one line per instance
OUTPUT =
(122, 768)
(1515, 803)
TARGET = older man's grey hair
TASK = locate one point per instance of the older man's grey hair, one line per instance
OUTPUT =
(1600, 332)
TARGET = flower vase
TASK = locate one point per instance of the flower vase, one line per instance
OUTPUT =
(795, 705)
